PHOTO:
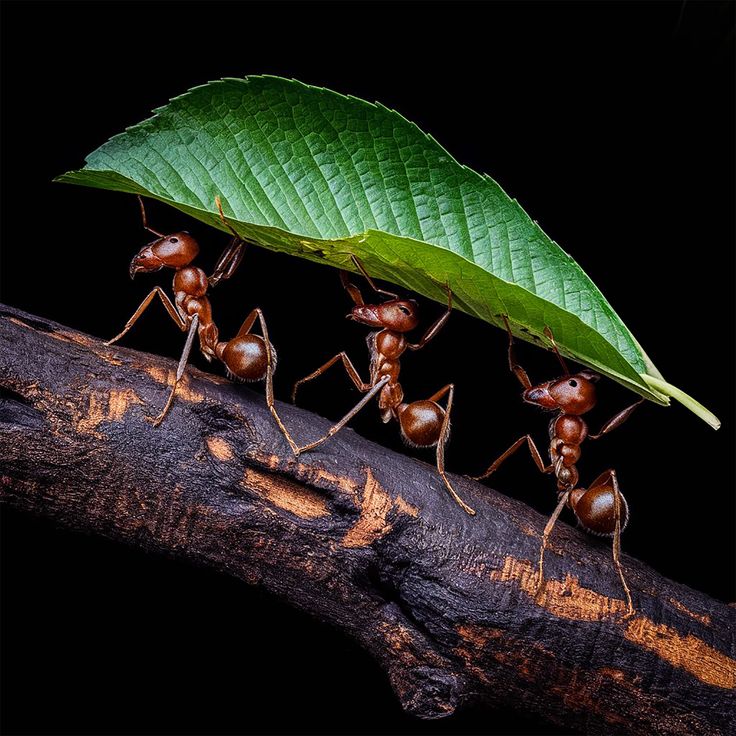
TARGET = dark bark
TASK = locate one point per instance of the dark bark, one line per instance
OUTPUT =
(363, 538)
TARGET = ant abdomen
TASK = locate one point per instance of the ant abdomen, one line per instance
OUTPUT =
(421, 423)
(596, 509)
(246, 357)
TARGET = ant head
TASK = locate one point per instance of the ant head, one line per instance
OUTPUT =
(570, 394)
(397, 314)
(173, 251)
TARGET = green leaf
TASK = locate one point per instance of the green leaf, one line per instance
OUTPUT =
(322, 176)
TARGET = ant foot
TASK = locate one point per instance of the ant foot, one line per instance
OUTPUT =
(541, 586)
(482, 476)
(117, 337)
(155, 421)
(630, 611)
(467, 509)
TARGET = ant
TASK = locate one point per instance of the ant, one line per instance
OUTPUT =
(601, 509)
(423, 423)
(247, 357)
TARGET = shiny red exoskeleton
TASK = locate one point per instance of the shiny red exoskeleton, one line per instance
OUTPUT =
(601, 509)
(247, 357)
(423, 423)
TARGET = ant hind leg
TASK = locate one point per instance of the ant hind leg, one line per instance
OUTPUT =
(444, 436)
(616, 543)
(243, 332)
(427, 424)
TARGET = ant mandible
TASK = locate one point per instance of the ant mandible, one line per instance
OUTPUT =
(247, 357)
(601, 509)
(423, 423)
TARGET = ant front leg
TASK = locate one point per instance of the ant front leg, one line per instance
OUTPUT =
(228, 262)
(349, 369)
(231, 256)
(533, 451)
(170, 308)
(617, 420)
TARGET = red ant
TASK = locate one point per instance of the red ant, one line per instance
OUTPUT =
(423, 423)
(601, 509)
(247, 357)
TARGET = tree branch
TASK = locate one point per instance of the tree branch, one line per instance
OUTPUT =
(360, 537)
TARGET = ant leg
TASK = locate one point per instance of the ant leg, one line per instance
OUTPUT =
(545, 537)
(228, 262)
(349, 369)
(170, 308)
(551, 338)
(616, 421)
(533, 451)
(145, 220)
(180, 369)
(616, 545)
(436, 327)
(337, 427)
(442, 442)
(514, 367)
(245, 329)
(231, 256)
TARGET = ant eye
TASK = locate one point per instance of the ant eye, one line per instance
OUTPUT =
(573, 383)
(404, 310)
(173, 240)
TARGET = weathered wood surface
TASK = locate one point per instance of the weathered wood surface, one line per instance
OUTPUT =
(361, 537)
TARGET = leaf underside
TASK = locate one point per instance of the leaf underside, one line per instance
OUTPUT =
(316, 174)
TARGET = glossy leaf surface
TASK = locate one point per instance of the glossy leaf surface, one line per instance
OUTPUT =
(322, 176)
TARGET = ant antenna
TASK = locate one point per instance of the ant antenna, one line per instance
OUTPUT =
(145, 220)
(362, 270)
(548, 334)
(222, 217)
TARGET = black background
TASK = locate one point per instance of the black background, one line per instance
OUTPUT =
(611, 123)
